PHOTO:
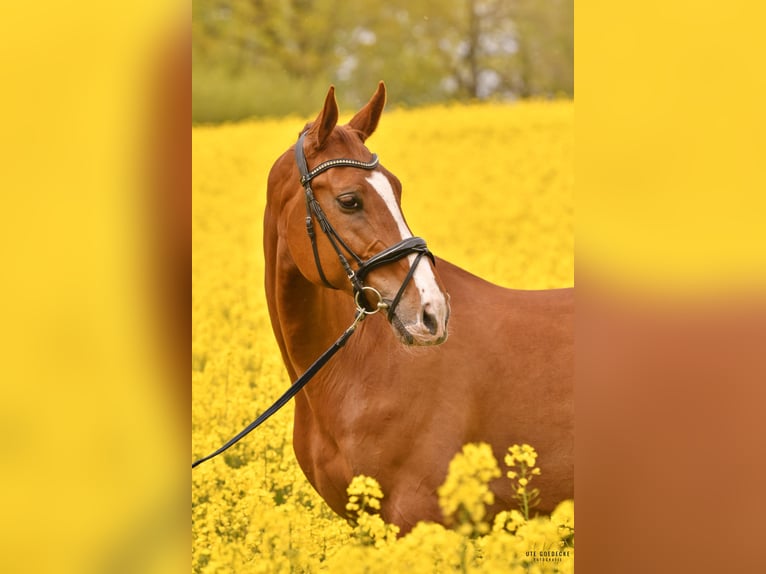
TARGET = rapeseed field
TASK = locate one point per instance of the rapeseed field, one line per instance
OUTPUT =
(490, 187)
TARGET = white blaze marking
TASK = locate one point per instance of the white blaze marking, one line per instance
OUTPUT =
(423, 277)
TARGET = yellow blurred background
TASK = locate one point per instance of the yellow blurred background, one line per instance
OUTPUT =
(89, 400)
(669, 192)
(669, 162)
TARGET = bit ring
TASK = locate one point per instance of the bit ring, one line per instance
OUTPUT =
(378, 306)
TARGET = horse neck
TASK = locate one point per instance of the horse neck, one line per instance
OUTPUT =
(306, 318)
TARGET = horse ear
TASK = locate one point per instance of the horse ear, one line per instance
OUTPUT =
(366, 120)
(322, 127)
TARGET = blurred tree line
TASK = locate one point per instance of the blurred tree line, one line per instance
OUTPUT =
(275, 57)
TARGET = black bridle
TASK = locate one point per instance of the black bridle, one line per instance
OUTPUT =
(389, 255)
(405, 247)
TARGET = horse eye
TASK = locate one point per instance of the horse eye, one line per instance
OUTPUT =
(349, 201)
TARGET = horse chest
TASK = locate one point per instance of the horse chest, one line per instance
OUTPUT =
(361, 431)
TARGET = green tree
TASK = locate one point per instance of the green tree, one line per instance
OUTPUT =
(272, 57)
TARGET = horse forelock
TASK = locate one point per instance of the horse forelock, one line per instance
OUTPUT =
(343, 142)
(350, 138)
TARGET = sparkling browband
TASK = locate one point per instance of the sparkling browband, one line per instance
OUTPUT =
(324, 166)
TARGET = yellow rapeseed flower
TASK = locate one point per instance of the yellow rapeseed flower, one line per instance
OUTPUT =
(465, 493)
(252, 509)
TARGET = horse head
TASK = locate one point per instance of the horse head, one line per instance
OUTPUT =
(340, 215)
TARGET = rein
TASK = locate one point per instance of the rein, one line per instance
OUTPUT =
(361, 314)
(391, 254)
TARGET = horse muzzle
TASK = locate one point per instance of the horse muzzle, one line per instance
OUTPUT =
(424, 324)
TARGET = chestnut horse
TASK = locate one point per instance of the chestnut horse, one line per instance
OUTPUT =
(402, 397)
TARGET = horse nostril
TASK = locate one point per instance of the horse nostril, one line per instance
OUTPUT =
(430, 322)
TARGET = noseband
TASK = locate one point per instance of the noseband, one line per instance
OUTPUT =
(405, 247)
